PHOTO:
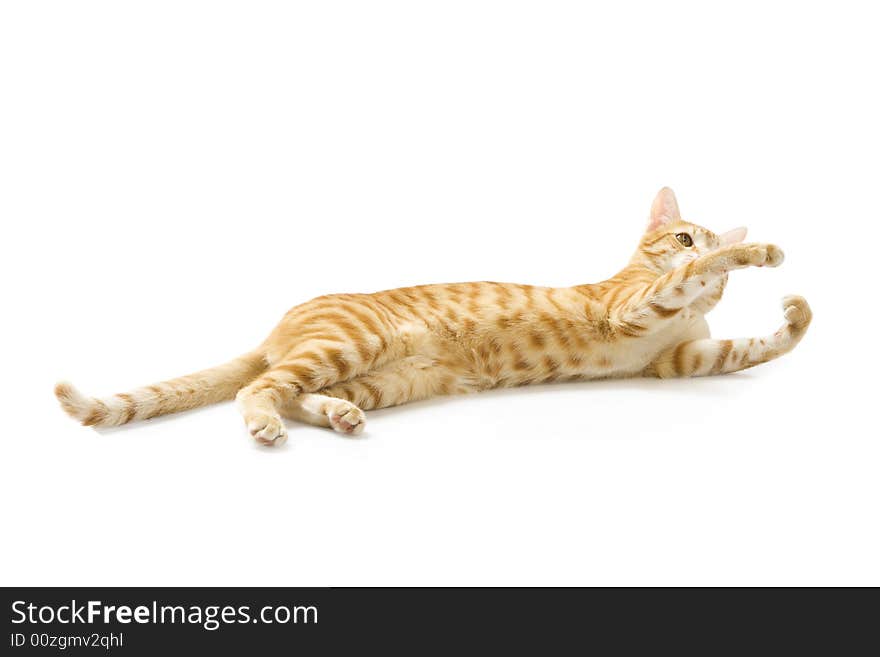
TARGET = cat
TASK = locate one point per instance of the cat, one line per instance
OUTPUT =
(334, 357)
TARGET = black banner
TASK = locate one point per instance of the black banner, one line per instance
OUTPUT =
(326, 621)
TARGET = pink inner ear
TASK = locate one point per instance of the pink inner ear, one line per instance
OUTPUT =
(654, 223)
(734, 236)
(664, 210)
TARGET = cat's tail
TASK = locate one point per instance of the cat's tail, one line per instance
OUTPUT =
(199, 389)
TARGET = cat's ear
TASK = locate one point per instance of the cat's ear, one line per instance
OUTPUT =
(664, 210)
(734, 236)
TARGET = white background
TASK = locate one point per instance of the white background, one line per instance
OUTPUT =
(175, 175)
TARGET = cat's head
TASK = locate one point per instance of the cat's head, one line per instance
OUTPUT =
(669, 242)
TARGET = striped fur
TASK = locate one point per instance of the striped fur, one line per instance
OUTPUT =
(181, 394)
(331, 358)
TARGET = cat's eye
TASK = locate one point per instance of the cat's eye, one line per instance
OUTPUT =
(685, 239)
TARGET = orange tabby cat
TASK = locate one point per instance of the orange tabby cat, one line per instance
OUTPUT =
(335, 356)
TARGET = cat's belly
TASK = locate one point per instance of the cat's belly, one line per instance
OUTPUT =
(525, 357)
(628, 356)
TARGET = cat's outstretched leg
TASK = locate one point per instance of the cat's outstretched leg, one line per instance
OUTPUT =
(666, 297)
(325, 411)
(401, 381)
(339, 406)
(705, 357)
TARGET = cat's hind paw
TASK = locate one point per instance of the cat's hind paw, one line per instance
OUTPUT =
(346, 418)
(268, 430)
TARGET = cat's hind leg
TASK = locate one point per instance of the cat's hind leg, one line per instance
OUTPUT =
(341, 406)
(325, 411)
(305, 370)
(258, 404)
(707, 357)
(408, 379)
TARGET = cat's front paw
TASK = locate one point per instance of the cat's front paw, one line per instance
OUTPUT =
(798, 313)
(765, 255)
(268, 430)
(749, 255)
(347, 418)
(774, 256)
